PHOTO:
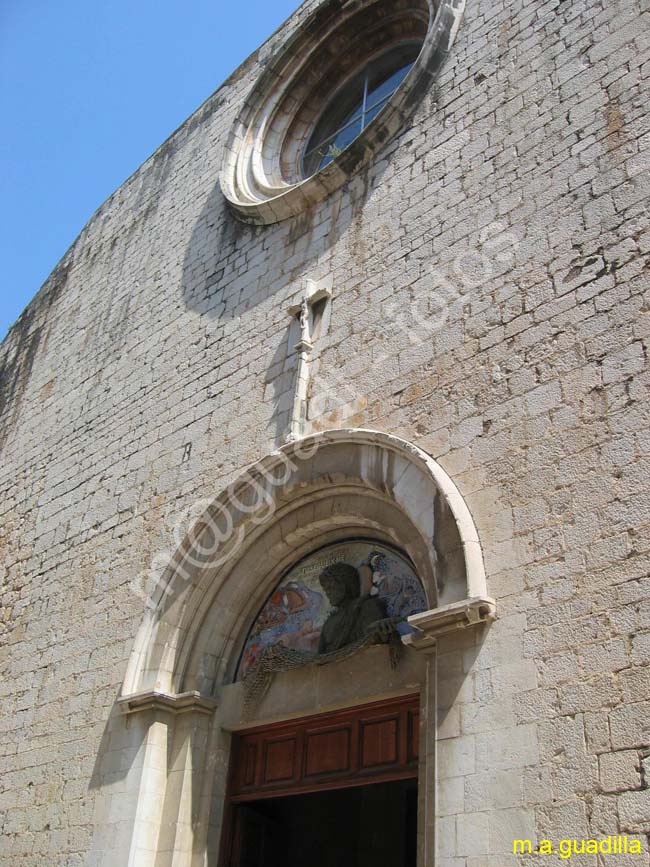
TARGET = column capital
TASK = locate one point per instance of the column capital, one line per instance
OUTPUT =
(448, 618)
(152, 699)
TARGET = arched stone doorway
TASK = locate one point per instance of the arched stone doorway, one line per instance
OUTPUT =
(180, 696)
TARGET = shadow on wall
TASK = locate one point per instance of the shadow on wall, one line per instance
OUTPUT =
(230, 267)
(131, 761)
(19, 349)
(456, 680)
(118, 749)
(281, 387)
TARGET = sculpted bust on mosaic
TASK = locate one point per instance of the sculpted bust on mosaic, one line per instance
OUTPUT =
(327, 608)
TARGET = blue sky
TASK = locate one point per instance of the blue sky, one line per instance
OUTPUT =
(88, 90)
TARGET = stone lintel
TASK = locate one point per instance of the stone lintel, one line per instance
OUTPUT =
(449, 618)
(151, 699)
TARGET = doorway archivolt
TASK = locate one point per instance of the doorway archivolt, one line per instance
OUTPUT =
(342, 488)
(333, 486)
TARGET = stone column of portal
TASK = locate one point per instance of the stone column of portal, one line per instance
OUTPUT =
(183, 814)
(427, 773)
(129, 786)
(165, 794)
(455, 626)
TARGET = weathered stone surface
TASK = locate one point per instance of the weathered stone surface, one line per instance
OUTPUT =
(620, 771)
(489, 274)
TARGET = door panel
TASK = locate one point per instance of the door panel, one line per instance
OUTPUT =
(343, 748)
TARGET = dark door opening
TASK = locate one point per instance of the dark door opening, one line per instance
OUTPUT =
(337, 789)
(363, 826)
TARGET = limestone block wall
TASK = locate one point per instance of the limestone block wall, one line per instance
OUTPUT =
(489, 279)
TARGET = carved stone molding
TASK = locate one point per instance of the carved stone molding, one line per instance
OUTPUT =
(262, 176)
(449, 618)
(185, 702)
(329, 487)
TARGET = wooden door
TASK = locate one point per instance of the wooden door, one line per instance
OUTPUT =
(360, 745)
(369, 744)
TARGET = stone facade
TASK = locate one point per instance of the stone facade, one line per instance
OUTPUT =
(488, 272)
